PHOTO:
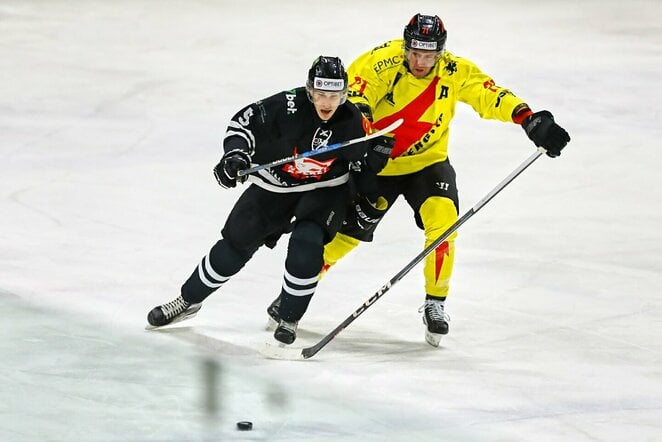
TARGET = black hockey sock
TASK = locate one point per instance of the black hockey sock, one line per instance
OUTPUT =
(214, 270)
(302, 266)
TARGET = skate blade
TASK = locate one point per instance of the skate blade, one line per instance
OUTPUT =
(271, 324)
(188, 314)
(278, 350)
(433, 338)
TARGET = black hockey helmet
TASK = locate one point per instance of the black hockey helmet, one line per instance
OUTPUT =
(327, 74)
(426, 33)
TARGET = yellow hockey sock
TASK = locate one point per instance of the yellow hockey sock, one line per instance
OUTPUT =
(438, 213)
(339, 246)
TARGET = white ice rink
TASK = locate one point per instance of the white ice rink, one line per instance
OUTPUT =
(111, 115)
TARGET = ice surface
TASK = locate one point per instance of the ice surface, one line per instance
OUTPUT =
(111, 115)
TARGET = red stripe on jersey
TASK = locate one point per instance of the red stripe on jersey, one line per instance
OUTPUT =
(412, 129)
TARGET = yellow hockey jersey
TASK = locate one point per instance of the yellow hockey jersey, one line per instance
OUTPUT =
(380, 79)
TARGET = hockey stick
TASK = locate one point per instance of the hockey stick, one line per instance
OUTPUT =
(321, 150)
(280, 352)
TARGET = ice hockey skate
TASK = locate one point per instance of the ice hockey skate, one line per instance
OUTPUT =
(286, 332)
(171, 312)
(274, 314)
(435, 320)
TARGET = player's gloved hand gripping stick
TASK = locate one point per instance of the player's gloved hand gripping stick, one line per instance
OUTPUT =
(321, 150)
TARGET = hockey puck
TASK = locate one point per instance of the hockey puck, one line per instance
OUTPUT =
(244, 426)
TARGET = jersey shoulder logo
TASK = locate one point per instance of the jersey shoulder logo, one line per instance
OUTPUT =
(451, 67)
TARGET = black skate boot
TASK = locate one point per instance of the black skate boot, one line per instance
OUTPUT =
(435, 320)
(274, 314)
(286, 331)
(171, 312)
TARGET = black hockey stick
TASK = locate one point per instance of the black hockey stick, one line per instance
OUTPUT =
(322, 150)
(278, 352)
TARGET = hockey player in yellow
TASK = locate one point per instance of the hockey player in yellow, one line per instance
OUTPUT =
(416, 79)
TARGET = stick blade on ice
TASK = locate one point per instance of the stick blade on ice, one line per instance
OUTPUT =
(276, 351)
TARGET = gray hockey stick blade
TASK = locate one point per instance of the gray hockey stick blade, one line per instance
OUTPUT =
(281, 351)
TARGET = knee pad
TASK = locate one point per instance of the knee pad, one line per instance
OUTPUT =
(227, 259)
(438, 214)
(305, 249)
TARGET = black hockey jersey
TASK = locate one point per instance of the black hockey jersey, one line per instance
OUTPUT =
(287, 124)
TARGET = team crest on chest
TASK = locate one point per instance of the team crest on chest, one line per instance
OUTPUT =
(307, 168)
(321, 138)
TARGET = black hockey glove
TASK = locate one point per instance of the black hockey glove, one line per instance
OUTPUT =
(231, 163)
(363, 216)
(374, 160)
(365, 110)
(544, 132)
(378, 153)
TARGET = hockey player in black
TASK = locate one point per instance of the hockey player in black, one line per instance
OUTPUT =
(307, 197)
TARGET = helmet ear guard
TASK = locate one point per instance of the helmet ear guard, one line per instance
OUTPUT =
(425, 33)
